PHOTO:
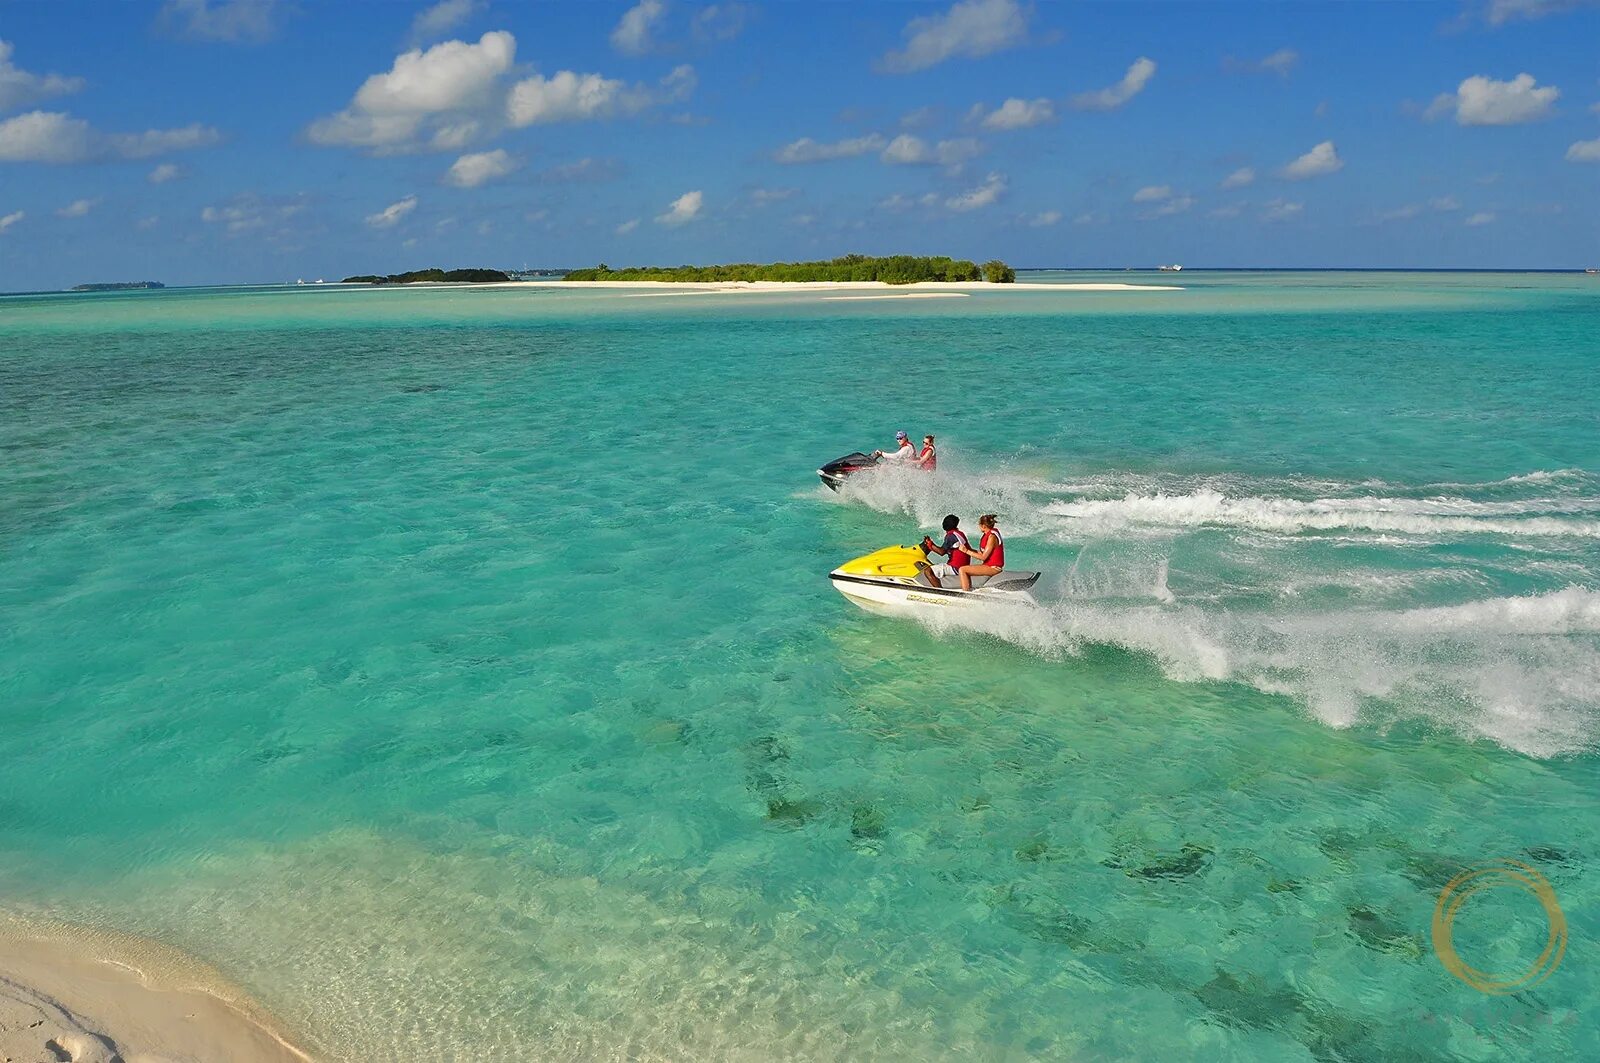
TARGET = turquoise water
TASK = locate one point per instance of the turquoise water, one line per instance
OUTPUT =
(458, 671)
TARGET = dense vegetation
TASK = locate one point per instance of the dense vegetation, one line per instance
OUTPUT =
(117, 286)
(475, 276)
(894, 269)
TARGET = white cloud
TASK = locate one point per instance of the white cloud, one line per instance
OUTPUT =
(632, 35)
(587, 169)
(1279, 62)
(1239, 178)
(1405, 213)
(1584, 151)
(470, 171)
(389, 216)
(923, 116)
(1020, 114)
(18, 88)
(234, 21)
(148, 223)
(718, 22)
(1109, 99)
(11, 219)
(167, 171)
(984, 195)
(248, 212)
(441, 18)
(762, 196)
(627, 227)
(1320, 160)
(51, 136)
(908, 150)
(970, 29)
(1164, 201)
(1091, 217)
(807, 150)
(895, 202)
(426, 99)
(1044, 219)
(1445, 203)
(1499, 12)
(572, 97)
(78, 208)
(684, 209)
(1482, 100)
(1282, 210)
(1483, 217)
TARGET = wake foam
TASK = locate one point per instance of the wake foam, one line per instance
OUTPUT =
(1521, 671)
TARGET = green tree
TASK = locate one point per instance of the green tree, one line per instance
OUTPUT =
(997, 272)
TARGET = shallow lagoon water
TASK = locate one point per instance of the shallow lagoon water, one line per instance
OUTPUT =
(456, 668)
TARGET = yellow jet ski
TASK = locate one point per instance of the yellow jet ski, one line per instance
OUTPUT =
(888, 581)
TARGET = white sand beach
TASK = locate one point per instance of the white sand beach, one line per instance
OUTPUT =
(95, 997)
(734, 287)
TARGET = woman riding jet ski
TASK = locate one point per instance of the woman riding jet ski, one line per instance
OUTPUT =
(839, 469)
(898, 579)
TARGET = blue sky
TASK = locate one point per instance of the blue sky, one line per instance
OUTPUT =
(194, 141)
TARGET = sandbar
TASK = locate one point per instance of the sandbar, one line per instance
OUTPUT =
(733, 287)
(69, 993)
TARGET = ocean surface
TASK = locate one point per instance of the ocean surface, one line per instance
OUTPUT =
(457, 669)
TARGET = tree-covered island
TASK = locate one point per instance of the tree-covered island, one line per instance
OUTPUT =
(893, 269)
(433, 276)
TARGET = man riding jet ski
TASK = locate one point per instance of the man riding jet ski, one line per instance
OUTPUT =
(898, 579)
(839, 469)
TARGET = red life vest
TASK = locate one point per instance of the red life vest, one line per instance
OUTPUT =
(958, 556)
(928, 459)
(997, 555)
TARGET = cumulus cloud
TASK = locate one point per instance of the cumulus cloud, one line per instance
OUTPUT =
(1044, 219)
(1019, 114)
(1320, 160)
(78, 208)
(627, 227)
(909, 150)
(633, 33)
(807, 150)
(1151, 193)
(11, 219)
(970, 29)
(1109, 99)
(1584, 151)
(1239, 178)
(1282, 210)
(54, 137)
(1481, 100)
(986, 194)
(572, 97)
(1279, 62)
(426, 95)
(684, 209)
(18, 88)
(1483, 217)
(718, 22)
(167, 171)
(473, 170)
(232, 21)
(441, 18)
(390, 216)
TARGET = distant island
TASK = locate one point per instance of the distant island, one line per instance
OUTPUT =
(117, 286)
(894, 269)
(434, 276)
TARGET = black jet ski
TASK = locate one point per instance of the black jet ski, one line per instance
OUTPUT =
(839, 469)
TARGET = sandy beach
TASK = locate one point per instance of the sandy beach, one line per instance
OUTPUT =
(921, 288)
(96, 997)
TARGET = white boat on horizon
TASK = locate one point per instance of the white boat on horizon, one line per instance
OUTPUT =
(1174, 268)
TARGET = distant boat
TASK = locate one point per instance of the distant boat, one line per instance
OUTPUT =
(1174, 268)
(1592, 271)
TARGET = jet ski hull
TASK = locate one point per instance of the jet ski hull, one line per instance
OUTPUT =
(888, 581)
(838, 470)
